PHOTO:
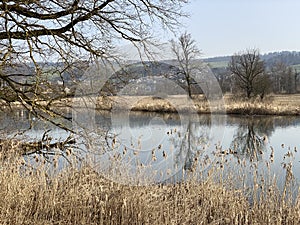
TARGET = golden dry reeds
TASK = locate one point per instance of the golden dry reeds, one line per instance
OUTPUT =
(36, 195)
(270, 105)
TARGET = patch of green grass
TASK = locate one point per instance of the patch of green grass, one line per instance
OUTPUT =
(220, 64)
(297, 67)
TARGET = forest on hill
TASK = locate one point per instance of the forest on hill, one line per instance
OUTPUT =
(290, 58)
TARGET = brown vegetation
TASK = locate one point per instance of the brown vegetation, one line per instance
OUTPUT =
(271, 105)
(34, 195)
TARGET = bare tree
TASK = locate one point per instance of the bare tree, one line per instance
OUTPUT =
(263, 85)
(42, 40)
(44, 44)
(186, 52)
(296, 74)
(285, 78)
(247, 67)
(289, 81)
(278, 70)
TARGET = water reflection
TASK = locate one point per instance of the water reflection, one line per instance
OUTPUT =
(194, 143)
(160, 146)
(251, 136)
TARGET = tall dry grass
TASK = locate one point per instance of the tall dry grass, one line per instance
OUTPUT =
(33, 195)
(270, 105)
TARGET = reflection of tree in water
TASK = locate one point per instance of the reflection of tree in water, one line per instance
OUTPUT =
(193, 139)
(251, 136)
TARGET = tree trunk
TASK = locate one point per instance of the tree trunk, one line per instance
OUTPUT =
(189, 86)
(249, 92)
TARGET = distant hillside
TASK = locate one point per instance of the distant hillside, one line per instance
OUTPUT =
(287, 57)
(149, 78)
(218, 62)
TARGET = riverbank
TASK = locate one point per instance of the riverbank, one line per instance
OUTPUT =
(229, 104)
(271, 105)
(33, 196)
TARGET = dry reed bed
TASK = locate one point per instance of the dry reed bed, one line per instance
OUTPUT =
(230, 104)
(272, 105)
(82, 196)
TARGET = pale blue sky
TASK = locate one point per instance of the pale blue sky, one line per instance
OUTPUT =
(223, 27)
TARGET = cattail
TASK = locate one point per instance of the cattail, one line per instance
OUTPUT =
(164, 154)
(272, 155)
(265, 139)
(113, 142)
(124, 150)
(153, 151)
(289, 154)
(55, 162)
(153, 155)
(284, 165)
(68, 152)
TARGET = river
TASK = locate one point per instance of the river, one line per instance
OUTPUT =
(140, 147)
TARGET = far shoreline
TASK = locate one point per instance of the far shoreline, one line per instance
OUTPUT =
(280, 105)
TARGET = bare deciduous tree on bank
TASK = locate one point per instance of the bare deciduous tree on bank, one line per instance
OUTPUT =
(248, 69)
(45, 44)
(186, 52)
(67, 33)
(284, 78)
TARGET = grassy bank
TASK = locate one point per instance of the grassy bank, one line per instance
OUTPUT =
(271, 105)
(230, 104)
(82, 196)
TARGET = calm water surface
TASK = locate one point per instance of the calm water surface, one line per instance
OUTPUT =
(159, 147)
